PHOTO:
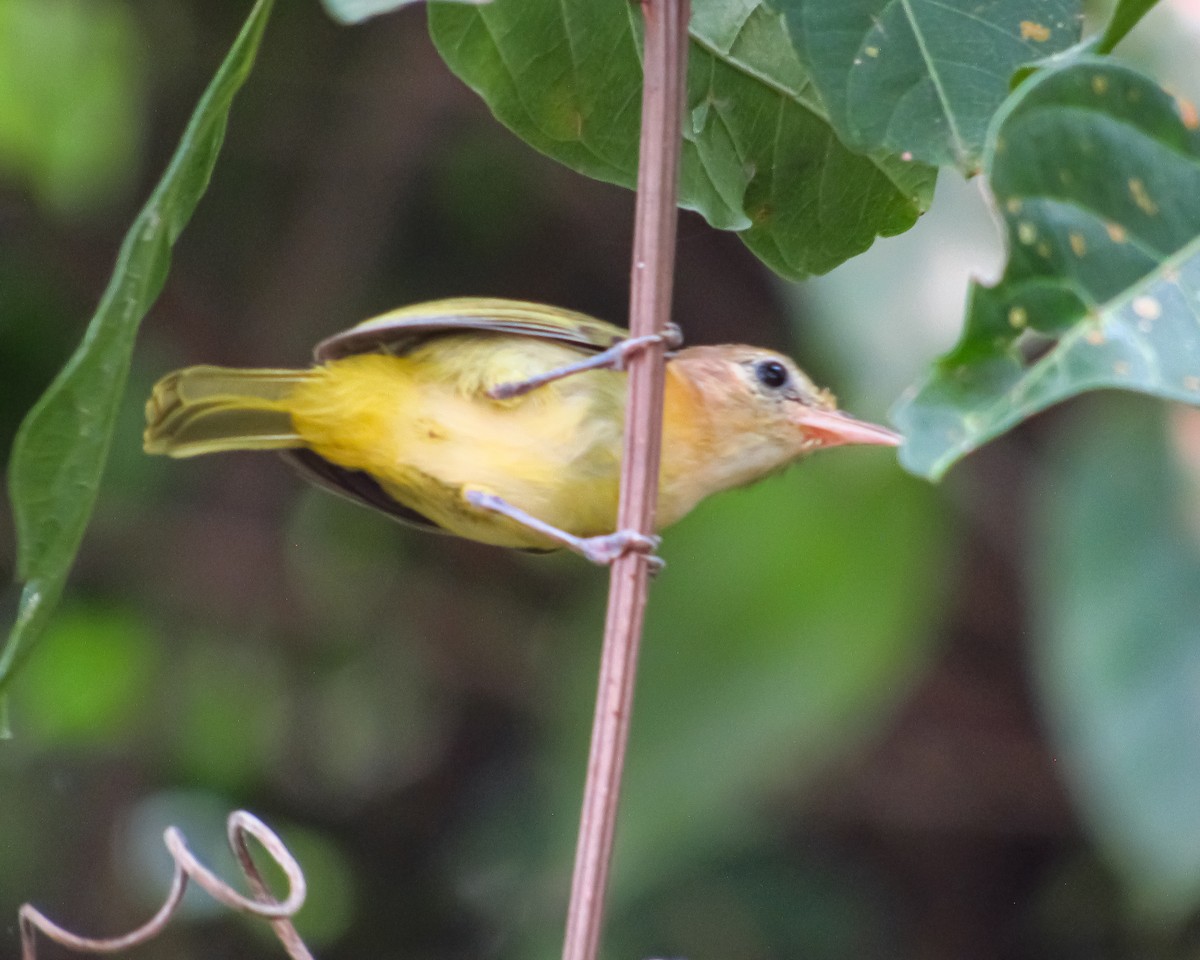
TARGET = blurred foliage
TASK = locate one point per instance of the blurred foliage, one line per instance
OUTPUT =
(1120, 657)
(823, 623)
(94, 679)
(70, 100)
(797, 658)
(875, 718)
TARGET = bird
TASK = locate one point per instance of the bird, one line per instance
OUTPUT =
(502, 421)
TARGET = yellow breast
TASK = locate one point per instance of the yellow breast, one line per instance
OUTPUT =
(422, 425)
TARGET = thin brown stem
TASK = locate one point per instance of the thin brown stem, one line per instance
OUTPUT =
(665, 71)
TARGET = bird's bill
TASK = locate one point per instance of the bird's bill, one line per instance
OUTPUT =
(832, 428)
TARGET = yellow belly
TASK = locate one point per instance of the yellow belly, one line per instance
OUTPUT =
(426, 432)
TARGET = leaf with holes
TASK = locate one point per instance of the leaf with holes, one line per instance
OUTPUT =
(759, 154)
(923, 77)
(1096, 171)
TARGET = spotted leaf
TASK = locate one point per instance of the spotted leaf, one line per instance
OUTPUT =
(1096, 172)
(923, 77)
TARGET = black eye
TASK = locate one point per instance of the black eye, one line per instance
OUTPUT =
(771, 373)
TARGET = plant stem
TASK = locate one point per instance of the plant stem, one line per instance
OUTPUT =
(665, 72)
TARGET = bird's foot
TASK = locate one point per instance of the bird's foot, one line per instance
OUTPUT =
(614, 358)
(606, 549)
(602, 550)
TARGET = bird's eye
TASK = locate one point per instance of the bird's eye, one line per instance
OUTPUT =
(771, 373)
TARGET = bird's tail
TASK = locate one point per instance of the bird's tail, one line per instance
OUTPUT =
(212, 409)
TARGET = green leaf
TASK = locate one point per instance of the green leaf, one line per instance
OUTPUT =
(61, 447)
(923, 77)
(1098, 180)
(1124, 18)
(759, 155)
(1118, 653)
(356, 11)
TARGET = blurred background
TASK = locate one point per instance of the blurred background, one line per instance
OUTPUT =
(875, 718)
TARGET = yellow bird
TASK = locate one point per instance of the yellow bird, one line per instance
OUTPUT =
(502, 421)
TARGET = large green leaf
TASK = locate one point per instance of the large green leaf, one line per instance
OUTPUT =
(60, 450)
(759, 155)
(1118, 662)
(1096, 172)
(923, 77)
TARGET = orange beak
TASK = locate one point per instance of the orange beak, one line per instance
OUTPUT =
(831, 428)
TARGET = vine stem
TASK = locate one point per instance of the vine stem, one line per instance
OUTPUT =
(240, 826)
(665, 73)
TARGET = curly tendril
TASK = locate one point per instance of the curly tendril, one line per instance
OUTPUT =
(263, 903)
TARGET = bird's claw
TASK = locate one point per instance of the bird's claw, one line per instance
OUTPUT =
(614, 358)
(607, 549)
(671, 337)
(603, 550)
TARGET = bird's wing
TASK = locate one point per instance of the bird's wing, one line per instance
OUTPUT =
(400, 330)
(353, 485)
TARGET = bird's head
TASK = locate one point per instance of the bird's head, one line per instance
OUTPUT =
(755, 393)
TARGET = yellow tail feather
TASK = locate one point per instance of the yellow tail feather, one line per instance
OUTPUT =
(212, 409)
